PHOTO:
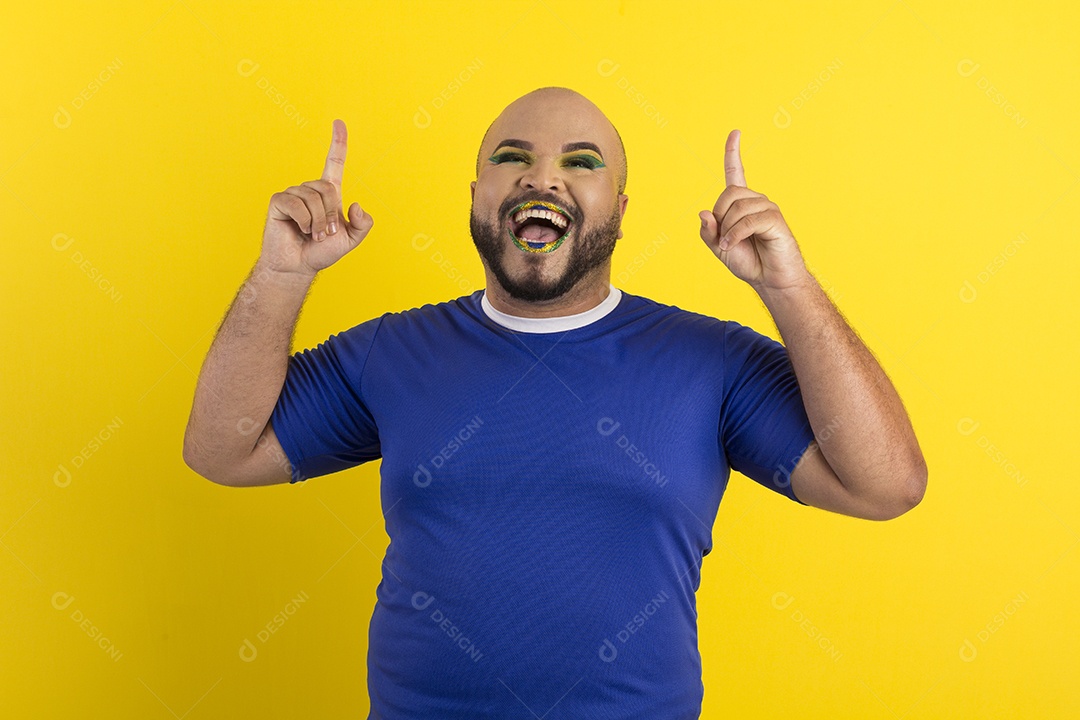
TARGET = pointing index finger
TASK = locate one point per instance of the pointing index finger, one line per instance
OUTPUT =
(733, 169)
(335, 158)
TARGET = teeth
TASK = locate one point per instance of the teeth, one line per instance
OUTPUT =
(543, 214)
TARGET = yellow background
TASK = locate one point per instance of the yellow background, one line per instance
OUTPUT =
(924, 155)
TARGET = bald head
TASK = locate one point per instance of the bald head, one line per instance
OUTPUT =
(569, 109)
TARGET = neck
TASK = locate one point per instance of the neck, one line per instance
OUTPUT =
(589, 292)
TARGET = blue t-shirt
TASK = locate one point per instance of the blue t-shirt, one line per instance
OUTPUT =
(549, 495)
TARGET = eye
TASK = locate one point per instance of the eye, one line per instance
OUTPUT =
(504, 157)
(584, 161)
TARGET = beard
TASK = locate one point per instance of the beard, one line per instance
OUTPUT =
(589, 249)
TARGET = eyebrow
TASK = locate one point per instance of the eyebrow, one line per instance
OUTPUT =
(568, 147)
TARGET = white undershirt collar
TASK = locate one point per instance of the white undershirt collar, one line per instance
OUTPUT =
(553, 324)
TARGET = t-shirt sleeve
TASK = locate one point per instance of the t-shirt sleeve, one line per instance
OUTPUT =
(764, 429)
(321, 419)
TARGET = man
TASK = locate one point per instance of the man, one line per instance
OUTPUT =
(553, 450)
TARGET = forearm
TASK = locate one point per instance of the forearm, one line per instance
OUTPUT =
(857, 416)
(244, 370)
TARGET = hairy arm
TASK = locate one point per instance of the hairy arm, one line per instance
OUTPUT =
(865, 460)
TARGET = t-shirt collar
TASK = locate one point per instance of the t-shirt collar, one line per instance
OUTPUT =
(553, 324)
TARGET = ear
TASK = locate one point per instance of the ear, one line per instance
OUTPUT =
(623, 199)
(472, 190)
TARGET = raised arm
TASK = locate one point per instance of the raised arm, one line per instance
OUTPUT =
(865, 460)
(228, 438)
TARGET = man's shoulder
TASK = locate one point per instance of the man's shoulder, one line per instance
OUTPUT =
(422, 318)
(666, 316)
(430, 313)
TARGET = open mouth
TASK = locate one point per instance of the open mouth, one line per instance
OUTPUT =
(539, 227)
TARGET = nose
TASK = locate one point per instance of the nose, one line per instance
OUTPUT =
(542, 175)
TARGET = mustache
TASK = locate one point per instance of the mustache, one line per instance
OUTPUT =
(511, 203)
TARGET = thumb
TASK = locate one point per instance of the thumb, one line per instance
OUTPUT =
(709, 229)
(359, 224)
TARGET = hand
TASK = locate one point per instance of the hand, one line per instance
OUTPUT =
(748, 233)
(305, 230)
